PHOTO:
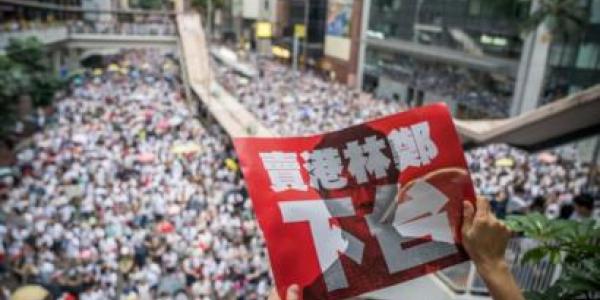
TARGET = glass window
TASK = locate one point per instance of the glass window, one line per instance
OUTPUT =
(554, 58)
(475, 7)
(587, 56)
(568, 58)
(563, 55)
(595, 12)
(523, 9)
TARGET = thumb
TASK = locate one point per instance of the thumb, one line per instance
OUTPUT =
(468, 215)
(293, 292)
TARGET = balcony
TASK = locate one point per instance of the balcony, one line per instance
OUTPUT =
(98, 35)
(47, 35)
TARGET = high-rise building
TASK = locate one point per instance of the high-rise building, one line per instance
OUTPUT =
(473, 55)
(575, 65)
(555, 64)
(458, 51)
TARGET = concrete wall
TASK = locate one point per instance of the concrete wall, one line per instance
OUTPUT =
(260, 10)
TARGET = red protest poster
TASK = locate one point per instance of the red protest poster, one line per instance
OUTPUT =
(359, 209)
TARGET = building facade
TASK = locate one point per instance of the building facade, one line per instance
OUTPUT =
(473, 55)
(25, 16)
(298, 14)
(458, 51)
(575, 65)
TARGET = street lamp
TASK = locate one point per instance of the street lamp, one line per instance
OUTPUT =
(209, 5)
(305, 44)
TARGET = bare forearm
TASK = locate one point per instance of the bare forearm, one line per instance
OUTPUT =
(500, 281)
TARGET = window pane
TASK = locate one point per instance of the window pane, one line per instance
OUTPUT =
(554, 58)
(567, 54)
(595, 12)
(475, 7)
(586, 58)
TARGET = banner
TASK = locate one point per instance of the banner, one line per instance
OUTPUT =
(299, 31)
(337, 29)
(339, 18)
(359, 209)
(263, 30)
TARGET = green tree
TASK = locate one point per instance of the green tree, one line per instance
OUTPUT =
(29, 53)
(13, 80)
(24, 72)
(573, 245)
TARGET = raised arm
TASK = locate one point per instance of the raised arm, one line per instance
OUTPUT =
(293, 293)
(485, 239)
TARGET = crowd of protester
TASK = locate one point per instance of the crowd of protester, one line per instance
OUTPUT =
(473, 89)
(302, 103)
(552, 183)
(125, 195)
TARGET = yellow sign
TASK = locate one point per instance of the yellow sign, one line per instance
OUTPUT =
(299, 31)
(263, 30)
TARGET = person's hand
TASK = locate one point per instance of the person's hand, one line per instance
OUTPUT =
(293, 293)
(484, 237)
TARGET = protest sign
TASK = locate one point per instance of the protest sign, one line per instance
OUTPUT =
(359, 209)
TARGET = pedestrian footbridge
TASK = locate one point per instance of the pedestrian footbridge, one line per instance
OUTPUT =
(63, 35)
(565, 120)
(223, 107)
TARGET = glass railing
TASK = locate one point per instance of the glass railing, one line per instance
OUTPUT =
(46, 35)
(80, 27)
(124, 28)
(463, 278)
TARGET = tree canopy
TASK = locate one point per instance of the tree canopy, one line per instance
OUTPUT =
(24, 72)
(571, 244)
